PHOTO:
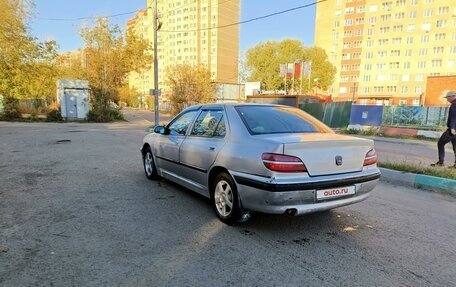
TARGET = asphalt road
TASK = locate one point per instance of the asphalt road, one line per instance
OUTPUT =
(419, 152)
(77, 210)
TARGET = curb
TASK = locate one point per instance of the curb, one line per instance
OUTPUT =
(426, 182)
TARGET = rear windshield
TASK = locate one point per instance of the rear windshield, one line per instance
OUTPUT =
(274, 119)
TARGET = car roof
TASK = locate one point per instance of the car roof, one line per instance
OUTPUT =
(208, 106)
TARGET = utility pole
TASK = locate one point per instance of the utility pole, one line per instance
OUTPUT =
(354, 89)
(156, 91)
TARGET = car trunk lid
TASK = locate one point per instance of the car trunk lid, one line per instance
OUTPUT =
(325, 154)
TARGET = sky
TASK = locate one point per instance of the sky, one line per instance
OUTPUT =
(297, 24)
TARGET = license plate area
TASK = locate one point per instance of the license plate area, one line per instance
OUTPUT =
(324, 194)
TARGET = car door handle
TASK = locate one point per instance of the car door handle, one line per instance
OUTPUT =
(212, 148)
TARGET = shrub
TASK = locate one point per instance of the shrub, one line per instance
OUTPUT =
(11, 109)
(54, 116)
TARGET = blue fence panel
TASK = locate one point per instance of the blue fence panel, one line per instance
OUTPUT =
(366, 115)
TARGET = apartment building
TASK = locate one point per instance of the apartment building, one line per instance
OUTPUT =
(384, 50)
(189, 34)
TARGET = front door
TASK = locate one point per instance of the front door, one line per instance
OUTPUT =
(71, 105)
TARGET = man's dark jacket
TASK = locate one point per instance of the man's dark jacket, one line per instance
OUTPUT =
(451, 123)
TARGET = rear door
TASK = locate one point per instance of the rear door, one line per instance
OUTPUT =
(167, 146)
(200, 148)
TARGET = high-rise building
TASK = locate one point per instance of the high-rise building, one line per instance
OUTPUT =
(190, 33)
(384, 50)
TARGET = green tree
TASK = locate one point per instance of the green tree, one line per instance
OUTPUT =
(190, 85)
(263, 63)
(111, 55)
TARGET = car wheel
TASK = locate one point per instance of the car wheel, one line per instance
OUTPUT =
(224, 199)
(149, 165)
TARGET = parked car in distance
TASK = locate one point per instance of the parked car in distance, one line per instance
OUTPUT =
(262, 158)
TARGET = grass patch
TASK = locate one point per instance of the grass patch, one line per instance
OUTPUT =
(444, 172)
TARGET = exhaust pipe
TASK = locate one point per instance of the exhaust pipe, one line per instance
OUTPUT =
(291, 211)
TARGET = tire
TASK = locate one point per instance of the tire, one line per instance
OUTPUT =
(225, 200)
(149, 165)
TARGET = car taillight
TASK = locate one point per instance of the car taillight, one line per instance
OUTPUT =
(283, 163)
(371, 158)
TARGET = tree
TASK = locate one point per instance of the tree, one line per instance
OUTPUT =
(263, 63)
(111, 55)
(190, 85)
(27, 67)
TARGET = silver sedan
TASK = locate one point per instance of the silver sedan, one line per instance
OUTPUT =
(263, 158)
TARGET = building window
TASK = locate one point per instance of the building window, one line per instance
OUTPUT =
(360, 9)
(346, 56)
(356, 56)
(348, 22)
(391, 89)
(439, 36)
(345, 68)
(369, 43)
(343, 90)
(397, 41)
(368, 67)
(402, 102)
(408, 53)
(372, 20)
(399, 16)
(359, 21)
(438, 50)
(406, 65)
(409, 40)
(347, 45)
(425, 39)
(443, 10)
(453, 50)
(378, 89)
(394, 65)
(369, 55)
(349, 10)
(366, 90)
(387, 5)
(413, 2)
(344, 79)
(384, 30)
(427, 12)
(336, 24)
(400, 2)
(395, 53)
(404, 90)
(436, 63)
(441, 23)
(382, 54)
(398, 28)
(421, 64)
(367, 78)
(419, 77)
(411, 27)
(418, 89)
(370, 32)
(337, 13)
(412, 14)
(386, 17)
(355, 67)
(348, 33)
(423, 52)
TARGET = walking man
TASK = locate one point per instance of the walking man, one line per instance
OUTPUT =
(450, 134)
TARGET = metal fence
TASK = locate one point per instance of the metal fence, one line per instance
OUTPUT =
(334, 115)
(407, 116)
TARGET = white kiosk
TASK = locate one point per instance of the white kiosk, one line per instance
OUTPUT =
(73, 97)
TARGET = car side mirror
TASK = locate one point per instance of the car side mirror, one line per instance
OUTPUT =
(160, 130)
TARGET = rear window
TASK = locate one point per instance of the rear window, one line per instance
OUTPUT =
(274, 120)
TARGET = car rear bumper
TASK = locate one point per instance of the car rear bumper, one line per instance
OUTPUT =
(279, 196)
